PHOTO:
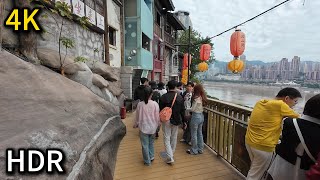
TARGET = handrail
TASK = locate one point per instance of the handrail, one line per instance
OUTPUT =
(169, 39)
(225, 129)
(226, 116)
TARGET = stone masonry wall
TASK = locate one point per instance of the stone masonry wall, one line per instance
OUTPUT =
(85, 40)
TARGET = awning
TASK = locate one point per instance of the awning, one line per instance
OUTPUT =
(175, 22)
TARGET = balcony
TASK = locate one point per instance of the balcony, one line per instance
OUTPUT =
(169, 40)
(145, 60)
(157, 30)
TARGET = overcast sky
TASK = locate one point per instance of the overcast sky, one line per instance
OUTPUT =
(291, 29)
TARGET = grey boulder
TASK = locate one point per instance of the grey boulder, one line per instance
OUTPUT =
(99, 81)
(42, 109)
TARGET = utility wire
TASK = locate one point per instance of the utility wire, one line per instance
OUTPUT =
(245, 21)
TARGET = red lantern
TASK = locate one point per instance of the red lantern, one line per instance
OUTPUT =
(185, 61)
(237, 43)
(205, 51)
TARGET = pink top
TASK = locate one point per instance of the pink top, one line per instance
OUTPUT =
(147, 117)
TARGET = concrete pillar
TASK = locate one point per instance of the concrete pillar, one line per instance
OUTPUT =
(126, 80)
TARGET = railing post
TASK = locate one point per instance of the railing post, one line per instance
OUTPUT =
(209, 129)
(221, 133)
(230, 136)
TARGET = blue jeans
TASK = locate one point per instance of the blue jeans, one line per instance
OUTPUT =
(147, 147)
(196, 124)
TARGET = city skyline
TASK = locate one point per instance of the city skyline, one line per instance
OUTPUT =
(284, 70)
(268, 62)
(286, 31)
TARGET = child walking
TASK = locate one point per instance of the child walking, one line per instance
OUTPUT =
(147, 120)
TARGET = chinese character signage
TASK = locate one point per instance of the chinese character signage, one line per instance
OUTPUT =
(91, 15)
(78, 8)
(100, 21)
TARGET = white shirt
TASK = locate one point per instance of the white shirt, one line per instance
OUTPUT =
(162, 91)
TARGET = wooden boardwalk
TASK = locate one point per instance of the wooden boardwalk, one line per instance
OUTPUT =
(130, 165)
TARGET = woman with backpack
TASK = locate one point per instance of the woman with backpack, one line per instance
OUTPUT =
(299, 145)
(147, 120)
(199, 99)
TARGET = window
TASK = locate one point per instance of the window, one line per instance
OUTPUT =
(145, 42)
(155, 48)
(158, 18)
(168, 28)
(148, 3)
(175, 61)
(112, 36)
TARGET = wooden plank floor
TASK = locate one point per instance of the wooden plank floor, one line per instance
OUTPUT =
(130, 165)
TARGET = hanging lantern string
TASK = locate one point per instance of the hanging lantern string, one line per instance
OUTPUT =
(244, 22)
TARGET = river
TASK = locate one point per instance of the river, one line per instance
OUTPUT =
(248, 95)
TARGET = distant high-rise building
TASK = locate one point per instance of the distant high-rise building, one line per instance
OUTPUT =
(295, 66)
(243, 57)
(283, 69)
(244, 72)
(305, 68)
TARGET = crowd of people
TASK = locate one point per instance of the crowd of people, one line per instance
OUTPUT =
(187, 112)
(281, 143)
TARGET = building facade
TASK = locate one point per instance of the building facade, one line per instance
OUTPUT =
(115, 31)
(171, 53)
(138, 39)
(165, 54)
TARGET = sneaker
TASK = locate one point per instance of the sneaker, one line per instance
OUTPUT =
(190, 152)
(169, 161)
(200, 151)
(190, 144)
(151, 159)
(182, 140)
(146, 164)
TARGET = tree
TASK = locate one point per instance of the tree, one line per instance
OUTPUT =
(196, 41)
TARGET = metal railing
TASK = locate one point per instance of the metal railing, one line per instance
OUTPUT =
(169, 39)
(225, 129)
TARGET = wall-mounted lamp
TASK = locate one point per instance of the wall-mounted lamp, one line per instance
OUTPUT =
(132, 53)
